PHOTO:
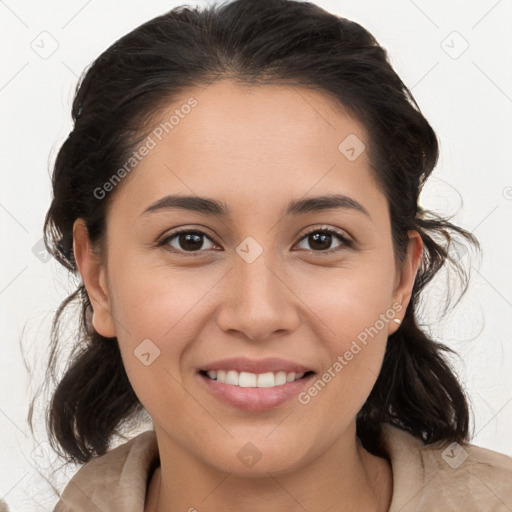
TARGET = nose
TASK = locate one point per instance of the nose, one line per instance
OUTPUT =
(259, 302)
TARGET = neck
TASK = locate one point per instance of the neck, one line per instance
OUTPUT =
(347, 478)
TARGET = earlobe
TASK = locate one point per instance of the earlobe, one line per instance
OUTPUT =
(406, 278)
(94, 278)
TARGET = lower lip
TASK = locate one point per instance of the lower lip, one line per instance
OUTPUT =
(255, 399)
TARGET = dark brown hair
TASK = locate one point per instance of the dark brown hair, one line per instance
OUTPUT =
(252, 42)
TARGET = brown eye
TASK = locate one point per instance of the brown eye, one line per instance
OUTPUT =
(187, 241)
(321, 240)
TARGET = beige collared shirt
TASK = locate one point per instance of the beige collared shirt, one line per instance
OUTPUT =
(426, 478)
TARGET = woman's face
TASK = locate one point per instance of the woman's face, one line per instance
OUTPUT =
(252, 293)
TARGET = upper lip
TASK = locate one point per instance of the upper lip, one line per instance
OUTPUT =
(244, 364)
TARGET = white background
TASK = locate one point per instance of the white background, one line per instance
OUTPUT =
(467, 100)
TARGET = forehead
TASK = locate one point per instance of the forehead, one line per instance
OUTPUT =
(248, 144)
(282, 119)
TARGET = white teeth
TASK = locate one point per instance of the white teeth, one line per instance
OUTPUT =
(266, 380)
(247, 380)
(280, 378)
(253, 380)
(232, 378)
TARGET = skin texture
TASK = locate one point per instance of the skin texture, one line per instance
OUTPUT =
(256, 149)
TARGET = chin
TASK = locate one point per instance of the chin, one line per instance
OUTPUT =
(254, 459)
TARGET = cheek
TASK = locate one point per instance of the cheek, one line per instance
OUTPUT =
(356, 310)
(353, 300)
(156, 301)
(152, 314)
(159, 311)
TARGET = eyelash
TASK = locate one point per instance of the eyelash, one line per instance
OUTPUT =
(346, 242)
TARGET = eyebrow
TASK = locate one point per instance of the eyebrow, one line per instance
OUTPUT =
(208, 206)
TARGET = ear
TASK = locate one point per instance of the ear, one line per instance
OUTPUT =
(94, 278)
(405, 278)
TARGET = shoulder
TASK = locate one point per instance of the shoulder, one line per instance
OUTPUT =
(116, 480)
(451, 476)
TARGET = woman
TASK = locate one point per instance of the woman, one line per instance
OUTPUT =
(239, 195)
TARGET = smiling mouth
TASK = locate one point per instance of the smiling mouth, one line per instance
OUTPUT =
(254, 380)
